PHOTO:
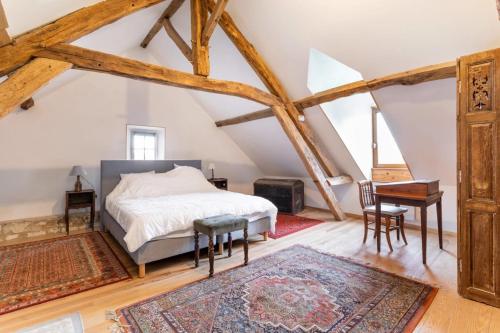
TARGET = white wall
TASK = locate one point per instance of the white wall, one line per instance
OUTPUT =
(423, 121)
(84, 121)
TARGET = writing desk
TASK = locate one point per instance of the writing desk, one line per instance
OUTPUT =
(420, 193)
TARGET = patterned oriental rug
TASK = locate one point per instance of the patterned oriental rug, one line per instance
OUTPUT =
(38, 272)
(289, 224)
(294, 290)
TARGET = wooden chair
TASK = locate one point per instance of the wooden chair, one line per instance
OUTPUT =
(367, 201)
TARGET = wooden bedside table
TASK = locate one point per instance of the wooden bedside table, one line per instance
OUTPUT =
(78, 200)
(220, 183)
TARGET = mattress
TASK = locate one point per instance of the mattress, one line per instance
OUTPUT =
(172, 216)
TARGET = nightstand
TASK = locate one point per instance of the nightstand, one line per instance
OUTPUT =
(220, 183)
(79, 200)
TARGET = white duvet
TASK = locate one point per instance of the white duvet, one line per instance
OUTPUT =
(149, 206)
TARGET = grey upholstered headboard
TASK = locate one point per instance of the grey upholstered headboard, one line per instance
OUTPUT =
(111, 171)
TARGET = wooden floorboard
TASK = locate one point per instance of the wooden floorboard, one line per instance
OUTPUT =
(448, 313)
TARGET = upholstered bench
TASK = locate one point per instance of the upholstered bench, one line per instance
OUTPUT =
(219, 225)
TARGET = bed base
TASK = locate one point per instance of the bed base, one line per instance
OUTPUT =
(165, 248)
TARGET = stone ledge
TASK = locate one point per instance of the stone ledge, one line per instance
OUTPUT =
(45, 226)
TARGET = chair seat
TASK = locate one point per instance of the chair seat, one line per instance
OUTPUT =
(219, 225)
(386, 210)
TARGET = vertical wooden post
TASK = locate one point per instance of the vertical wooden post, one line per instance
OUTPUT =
(199, 16)
(4, 36)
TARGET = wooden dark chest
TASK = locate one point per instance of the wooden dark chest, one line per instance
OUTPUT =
(286, 194)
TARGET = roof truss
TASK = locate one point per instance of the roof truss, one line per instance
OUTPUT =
(43, 53)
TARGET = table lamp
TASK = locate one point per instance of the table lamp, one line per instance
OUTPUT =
(78, 171)
(211, 166)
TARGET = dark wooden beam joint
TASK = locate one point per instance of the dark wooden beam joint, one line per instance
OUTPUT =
(28, 104)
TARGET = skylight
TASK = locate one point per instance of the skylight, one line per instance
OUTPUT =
(353, 117)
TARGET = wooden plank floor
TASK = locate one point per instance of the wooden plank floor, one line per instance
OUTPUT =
(448, 313)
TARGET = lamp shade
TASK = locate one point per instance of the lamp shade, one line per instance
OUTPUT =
(78, 170)
(211, 166)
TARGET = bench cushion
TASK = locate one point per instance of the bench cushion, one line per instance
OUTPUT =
(386, 210)
(219, 225)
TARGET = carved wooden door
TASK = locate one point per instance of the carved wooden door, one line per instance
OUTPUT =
(479, 177)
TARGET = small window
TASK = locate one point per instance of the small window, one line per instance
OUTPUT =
(145, 143)
(386, 153)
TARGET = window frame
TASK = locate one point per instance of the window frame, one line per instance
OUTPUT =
(375, 146)
(157, 132)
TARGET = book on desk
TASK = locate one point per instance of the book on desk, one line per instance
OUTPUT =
(409, 189)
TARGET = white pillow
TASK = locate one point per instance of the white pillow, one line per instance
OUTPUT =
(126, 175)
(182, 180)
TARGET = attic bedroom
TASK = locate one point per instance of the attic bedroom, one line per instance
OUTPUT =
(249, 166)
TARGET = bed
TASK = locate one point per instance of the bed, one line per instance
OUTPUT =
(116, 219)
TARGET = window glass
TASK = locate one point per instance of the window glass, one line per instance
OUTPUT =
(387, 148)
(145, 143)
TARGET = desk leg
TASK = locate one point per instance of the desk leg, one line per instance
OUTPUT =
(423, 228)
(439, 210)
(66, 220)
(92, 216)
(378, 221)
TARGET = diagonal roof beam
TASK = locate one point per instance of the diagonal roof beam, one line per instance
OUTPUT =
(167, 14)
(213, 20)
(272, 83)
(289, 116)
(177, 39)
(86, 59)
(411, 77)
(66, 29)
(21, 85)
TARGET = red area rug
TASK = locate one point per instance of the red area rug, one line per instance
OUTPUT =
(38, 272)
(294, 290)
(289, 224)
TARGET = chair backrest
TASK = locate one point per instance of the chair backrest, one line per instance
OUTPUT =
(366, 197)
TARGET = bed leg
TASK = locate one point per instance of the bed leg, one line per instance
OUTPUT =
(142, 270)
(266, 235)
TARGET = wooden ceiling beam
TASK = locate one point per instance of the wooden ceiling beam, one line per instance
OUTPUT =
(415, 76)
(178, 40)
(24, 82)
(172, 8)
(66, 29)
(245, 118)
(213, 20)
(91, 60)
(199, 17)
(411, 77)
